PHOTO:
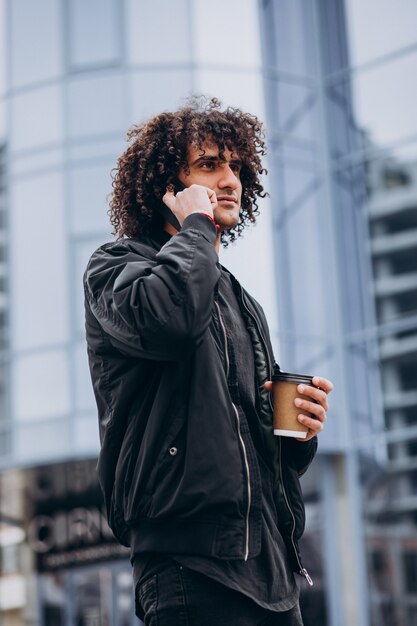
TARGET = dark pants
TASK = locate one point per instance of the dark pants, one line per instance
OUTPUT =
(178, 596)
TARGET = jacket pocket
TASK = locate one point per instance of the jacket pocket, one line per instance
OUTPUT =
(146, 469)
(169, 451)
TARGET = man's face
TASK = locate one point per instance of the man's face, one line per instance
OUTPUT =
(220, 175)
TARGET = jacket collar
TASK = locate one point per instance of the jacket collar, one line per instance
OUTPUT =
(160, 236)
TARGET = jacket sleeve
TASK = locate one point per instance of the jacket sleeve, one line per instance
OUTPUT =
(301, 453)
(158, 308)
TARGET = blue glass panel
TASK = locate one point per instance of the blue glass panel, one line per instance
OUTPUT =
(36, 51)
(153, 92)
(384, 101)
(158, 31)
(86, 435)
(94, 32)
(96, 106)
(40, 386)
(89, 187)
(39, 442)
(39, 297)
(227, 33)
(378, 27)
(36, 118)
(290, 37)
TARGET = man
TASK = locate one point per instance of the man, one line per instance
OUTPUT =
(195, 482)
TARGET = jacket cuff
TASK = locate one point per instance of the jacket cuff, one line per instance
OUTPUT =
(203, 224)
(303, 452)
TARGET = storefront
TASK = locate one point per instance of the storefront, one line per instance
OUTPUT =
(60, 565)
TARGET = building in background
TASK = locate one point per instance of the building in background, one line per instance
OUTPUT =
(391, 510)
(78, 75)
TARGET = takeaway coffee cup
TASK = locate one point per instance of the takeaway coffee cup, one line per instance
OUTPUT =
(284, 393)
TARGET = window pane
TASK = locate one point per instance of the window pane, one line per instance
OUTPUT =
(383, 115)
(35, 41)
(96, 105)
(39, 299)
(38, 442)
(37, 161)
(233, 23)
(228, 87)
(295, 110)
(98, 45)
(3, 48)
(89, 187)
(122, 581)
(161, 15)
(93, 597)
(289, 36)
(36, 118)
(150, 94)
(40, 386)
(86, 434)
(378, 27)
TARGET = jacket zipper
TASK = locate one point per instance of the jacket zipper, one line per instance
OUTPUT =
(242, 443)
(302, 569)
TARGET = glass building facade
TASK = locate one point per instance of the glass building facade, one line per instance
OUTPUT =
(335, 246)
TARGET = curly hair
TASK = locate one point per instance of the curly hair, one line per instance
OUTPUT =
(158, 150)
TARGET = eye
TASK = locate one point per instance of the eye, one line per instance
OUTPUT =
(208, 165)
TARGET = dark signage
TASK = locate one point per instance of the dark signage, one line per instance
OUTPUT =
(67, 525)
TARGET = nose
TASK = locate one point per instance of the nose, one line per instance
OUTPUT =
(228, 179)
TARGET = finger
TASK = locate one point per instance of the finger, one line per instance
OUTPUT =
(311, 407)
(268, 385)
(323, 383)
(169, 197)
(212, 197)
(317, 394)
(314, 425)
(309, 436)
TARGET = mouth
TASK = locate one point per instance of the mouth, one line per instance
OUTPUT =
(230, 199)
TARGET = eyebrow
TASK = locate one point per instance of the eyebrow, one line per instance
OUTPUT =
(213, 158)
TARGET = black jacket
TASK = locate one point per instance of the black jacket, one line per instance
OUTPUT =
(173, 464)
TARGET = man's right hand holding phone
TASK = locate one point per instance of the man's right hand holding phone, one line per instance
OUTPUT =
(193, 199)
